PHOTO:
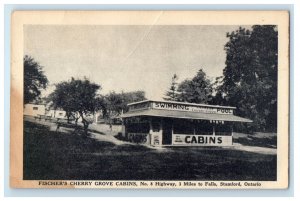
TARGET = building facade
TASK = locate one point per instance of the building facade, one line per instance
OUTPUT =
(58, 113)
(167, 123)
(34, 109)
(38, 110)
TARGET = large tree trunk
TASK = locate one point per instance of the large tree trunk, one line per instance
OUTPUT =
(85, 125)
(76, 117)
(68, 118)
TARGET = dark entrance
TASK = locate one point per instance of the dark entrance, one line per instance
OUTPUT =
(167, 131)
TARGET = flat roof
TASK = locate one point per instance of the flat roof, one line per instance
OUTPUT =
(186, 115)
(182, 103)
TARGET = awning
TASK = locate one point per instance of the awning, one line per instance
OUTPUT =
(186, 115)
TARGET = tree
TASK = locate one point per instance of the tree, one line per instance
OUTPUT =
(171, 94)
(197, 90)
(77, 97)
(218, 97)
(116, 103)
(133, 96)
(250, 76)
(113, 104)
(34, 79)
(61, 99)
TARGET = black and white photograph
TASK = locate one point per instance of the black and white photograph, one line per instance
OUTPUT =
(153, 105)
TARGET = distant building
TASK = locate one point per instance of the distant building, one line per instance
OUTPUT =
(34, 109)
(58, 113)
(41, 109)
(61, 114)
(100, 119)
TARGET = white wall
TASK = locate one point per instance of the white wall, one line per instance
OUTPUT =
(34, 110)
(57, 113)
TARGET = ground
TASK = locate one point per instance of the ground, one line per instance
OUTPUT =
(62, 154)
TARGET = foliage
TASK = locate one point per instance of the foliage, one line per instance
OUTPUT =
(196, 90)
(134, 96)
(116, 103)
(77, 97)
(171, 94)
(250, 76)
(34, 79)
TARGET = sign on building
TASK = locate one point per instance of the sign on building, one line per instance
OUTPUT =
(191, 108)
(201, 140)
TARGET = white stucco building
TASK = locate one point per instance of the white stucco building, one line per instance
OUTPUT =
(56, 114)
(34, 109)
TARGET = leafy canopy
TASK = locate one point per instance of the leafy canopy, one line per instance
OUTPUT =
(34, 79)
(77, 97)
(196, 90)
(116, 103)
(250, 75)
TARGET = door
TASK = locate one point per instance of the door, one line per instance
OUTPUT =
(167, 132)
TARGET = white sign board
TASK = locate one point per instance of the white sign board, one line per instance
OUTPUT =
(191, 108)
(201, 140)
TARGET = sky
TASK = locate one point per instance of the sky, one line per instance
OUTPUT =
(127, 58)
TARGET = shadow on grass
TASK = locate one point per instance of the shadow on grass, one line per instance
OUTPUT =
(60, 156)
(269, 142)
(78, 128)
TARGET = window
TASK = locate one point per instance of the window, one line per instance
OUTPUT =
(156, 125)
(183, 126)
(203, 128)
(35, 108)
(223, 129)
(60, 114)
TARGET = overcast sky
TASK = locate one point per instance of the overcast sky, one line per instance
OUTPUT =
(127, 58)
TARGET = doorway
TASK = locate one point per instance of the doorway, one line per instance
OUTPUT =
(167, 131)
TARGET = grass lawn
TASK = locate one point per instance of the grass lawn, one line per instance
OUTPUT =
(55, 156)
(257, 139)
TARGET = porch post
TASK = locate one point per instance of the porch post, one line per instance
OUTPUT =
(150, 123)
(231, 129)
(172, 132)
(161, 131)
(150, 131)
(123, 128)
(194, 127)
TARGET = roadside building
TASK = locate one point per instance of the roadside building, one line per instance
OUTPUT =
(167, 123)
(34, 109)
(61, 114)
(57, 113)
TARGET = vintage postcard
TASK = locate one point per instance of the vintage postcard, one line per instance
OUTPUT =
(150, 99)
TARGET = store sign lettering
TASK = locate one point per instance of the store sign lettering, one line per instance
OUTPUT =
(201, 140)
(190, 108)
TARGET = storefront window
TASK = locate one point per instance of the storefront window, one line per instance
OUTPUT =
(223, 129)
(203, 128)
(183, 126)
(156, 125)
